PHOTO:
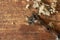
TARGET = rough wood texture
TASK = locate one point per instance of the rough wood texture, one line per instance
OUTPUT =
(12, 23)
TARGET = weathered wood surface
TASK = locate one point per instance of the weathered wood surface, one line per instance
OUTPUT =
(12, 23)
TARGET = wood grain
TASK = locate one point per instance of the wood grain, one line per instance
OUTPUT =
(13, 25)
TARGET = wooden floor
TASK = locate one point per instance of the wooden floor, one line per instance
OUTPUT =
(13, 23)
